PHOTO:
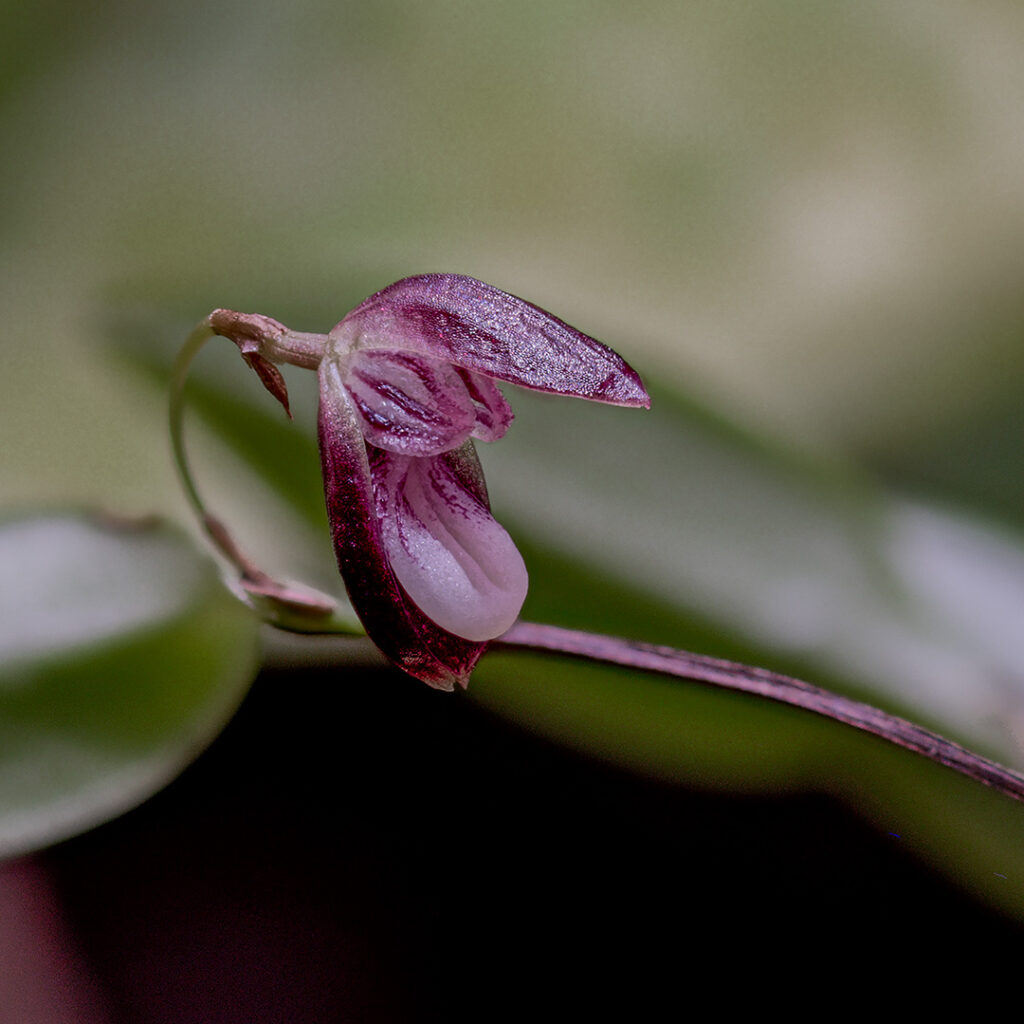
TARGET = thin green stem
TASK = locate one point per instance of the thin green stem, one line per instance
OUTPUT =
(288, 606)
(182, 364)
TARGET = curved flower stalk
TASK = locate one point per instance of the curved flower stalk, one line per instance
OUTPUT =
(407, 384)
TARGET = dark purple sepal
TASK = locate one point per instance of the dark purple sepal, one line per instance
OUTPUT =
(392, 621)
(481, 328)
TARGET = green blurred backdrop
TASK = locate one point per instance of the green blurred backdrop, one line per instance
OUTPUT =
(810, 213)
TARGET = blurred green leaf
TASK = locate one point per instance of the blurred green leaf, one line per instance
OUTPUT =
(121, 656)
(679, 528)
(808, 566)
(710, 739)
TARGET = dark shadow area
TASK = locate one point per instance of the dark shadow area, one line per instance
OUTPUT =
(356, 847)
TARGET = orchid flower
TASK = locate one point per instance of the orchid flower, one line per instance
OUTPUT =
(407, 383)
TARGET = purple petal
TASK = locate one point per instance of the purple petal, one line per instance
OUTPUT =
(475, 326)
(392, 620)
(449, 554)
(408, 403)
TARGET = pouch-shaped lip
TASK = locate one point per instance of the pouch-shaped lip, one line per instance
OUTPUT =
(448, 552)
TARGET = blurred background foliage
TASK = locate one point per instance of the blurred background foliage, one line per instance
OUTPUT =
(802, 222)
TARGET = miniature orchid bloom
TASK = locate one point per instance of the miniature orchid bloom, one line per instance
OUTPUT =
(407, 383)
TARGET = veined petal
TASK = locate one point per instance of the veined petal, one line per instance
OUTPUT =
(391, 618)
(409, 403)
(480, 328)
(449, 553)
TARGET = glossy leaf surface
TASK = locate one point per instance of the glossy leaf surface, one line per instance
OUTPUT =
(121, 657)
